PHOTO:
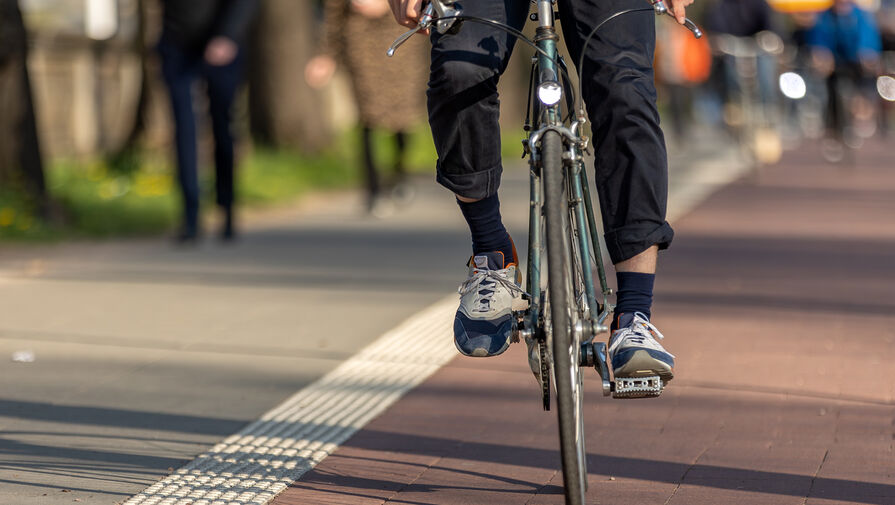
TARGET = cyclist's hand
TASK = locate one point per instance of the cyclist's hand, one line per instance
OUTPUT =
(678, 8)
(319, 71)
(407, 12)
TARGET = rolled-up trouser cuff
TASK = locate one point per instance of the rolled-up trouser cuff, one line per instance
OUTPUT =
(477, 185)
(627, 242)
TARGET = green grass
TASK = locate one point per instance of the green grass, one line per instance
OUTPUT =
(18, 221)
(98, 200)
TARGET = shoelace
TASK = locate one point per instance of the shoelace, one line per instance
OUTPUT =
(487, 279)
(639, 330)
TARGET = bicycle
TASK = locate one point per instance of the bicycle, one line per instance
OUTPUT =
(564, 314)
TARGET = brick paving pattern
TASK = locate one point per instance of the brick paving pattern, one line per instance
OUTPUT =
(778, 297)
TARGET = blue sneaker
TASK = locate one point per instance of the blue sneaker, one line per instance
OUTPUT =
(634, 349)
(483, 325)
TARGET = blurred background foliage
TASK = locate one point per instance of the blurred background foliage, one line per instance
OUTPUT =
(105, 153)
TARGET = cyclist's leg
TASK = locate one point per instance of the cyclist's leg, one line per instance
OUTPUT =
(463, 114)
(462, 98)
(631, 166)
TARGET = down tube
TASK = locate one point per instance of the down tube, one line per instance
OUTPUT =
(592, 227)
(584, 245)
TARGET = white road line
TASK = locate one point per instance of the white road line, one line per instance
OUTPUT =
(254, 465)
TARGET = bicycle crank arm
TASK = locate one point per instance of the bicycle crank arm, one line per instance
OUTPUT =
(594, 354)
(661, 8)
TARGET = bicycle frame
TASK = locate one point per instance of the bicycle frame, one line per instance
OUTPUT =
(550, 117)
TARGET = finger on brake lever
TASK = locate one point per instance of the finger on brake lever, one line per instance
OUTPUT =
(661, 8)
(424, 24)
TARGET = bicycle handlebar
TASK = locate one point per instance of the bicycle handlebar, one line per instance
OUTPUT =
(442, 14)
(445, 14)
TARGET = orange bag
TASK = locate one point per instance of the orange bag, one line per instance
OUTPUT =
(694, 58)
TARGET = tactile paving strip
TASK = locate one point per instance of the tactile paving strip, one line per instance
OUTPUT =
(254, 465)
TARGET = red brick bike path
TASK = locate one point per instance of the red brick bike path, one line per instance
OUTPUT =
(778, 299)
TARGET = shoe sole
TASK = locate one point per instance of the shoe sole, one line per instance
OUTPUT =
(481, 352)
(642, 364)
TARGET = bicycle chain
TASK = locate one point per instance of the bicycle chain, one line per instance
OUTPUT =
(545, 374)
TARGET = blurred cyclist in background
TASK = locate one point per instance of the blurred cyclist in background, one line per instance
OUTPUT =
(845, 47)
(740, 21)
(747, 48)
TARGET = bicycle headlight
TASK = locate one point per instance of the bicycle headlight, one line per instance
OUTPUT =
(549, 93)
(793, 85)
(885, 85)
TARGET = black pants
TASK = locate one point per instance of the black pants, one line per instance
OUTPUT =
(181, 69)
(619, 91)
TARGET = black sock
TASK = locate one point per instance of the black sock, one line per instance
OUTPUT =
(635, 294)
(486, 227)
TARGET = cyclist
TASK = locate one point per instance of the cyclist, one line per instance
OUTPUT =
(632, 175)
(742, 18)
(846, 47)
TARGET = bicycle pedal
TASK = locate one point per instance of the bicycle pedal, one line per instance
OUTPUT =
(637, 387)
(520, 304)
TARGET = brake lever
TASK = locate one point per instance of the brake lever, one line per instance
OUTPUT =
(425, 22)
(438, 12)
(661, 8)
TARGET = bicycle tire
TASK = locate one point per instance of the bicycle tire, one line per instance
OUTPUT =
(562, 313)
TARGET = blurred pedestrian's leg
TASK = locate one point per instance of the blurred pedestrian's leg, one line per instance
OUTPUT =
(179, 72)
(401, 190)
(835, 112)
(400, 155)
(223, 81)
(370, 172)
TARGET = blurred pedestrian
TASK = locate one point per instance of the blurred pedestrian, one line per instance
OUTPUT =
(203, 40)
(845, 46)
(357, 34)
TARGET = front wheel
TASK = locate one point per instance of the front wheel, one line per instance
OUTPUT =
(564, 316)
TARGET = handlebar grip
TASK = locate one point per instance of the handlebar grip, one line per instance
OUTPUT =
(693, 28)
(661, 8)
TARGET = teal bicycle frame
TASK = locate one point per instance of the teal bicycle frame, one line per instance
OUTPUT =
(548, 69)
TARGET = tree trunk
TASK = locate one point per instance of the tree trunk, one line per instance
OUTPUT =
(126, 157)
(284, 111)
(21, 167)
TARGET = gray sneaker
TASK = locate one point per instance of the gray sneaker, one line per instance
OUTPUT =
(635, 351)
(483, 325)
